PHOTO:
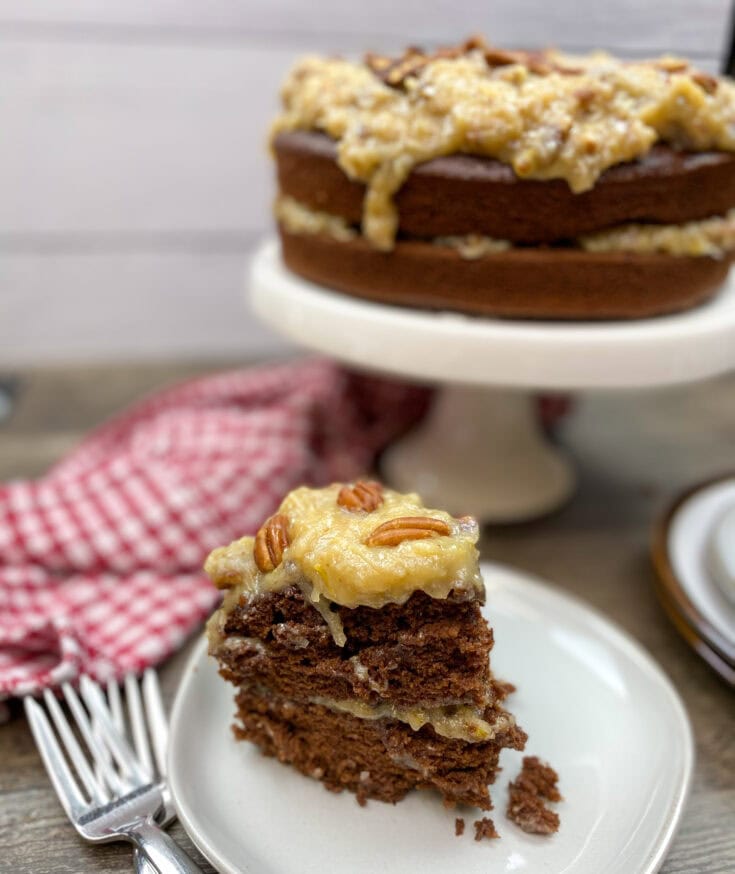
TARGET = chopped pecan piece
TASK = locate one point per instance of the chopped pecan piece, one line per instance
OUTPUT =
(538, 63)
(362, 495)
(378, 63)
(477, 41)
(501, 58)
(672, 65)
(270, 542)
(705, 81)
(567, 71)
(395, 71)
(400, 71)
(395, 531)
(585, 96)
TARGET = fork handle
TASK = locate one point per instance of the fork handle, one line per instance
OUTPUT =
(160, 850)
(142, 864)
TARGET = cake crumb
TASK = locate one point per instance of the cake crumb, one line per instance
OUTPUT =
(526, 808)
(459, 826)
(485, 828)
(538, 779)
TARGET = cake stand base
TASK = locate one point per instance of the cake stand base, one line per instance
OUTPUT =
(481, 449)
(482, 452)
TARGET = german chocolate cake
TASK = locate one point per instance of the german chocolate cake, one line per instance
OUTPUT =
(508, 183)
(351, 630)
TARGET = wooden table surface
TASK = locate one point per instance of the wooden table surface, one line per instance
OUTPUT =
(634, 452)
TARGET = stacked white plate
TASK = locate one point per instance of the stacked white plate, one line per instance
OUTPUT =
(694, 556)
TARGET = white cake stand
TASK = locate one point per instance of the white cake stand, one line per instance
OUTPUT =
(481, 450)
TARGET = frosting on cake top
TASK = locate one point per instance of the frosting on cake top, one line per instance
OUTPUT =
(548, 115)
(355, 545)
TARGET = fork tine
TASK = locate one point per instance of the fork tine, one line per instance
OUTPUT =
(116, 743)
(156, 716)
(94, 743)
(93, 786)
(137, 722)
(53, 759)
(115, 704)
(115, 707)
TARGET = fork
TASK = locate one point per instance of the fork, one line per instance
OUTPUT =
(152, 717)
(120, 804)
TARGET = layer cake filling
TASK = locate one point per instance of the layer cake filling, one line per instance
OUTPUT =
(712, 237)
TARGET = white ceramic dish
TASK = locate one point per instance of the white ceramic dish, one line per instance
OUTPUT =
(721, 551)
(594, 705)
(690, 545)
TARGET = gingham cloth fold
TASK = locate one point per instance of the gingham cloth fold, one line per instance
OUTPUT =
(100, 560)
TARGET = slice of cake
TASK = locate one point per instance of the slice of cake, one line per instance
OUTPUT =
(352, 632)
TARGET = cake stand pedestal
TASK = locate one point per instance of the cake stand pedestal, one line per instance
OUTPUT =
(481, 449)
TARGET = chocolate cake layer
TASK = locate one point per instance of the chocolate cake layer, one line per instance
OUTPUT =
(426, 652)
(548, 283)
(382, 759)
(465, 194)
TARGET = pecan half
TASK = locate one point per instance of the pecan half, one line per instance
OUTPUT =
(395, 531)
(270, 542)
(362, 495)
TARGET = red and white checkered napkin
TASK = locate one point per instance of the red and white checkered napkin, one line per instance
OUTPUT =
(100, 561)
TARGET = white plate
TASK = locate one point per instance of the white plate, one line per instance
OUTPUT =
(594, 705)
(721, 552)
(689, 544)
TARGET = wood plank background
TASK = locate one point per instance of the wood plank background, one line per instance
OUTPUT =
(133, 164)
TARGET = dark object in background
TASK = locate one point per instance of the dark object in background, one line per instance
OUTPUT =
(9, 389)
(728, 67)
